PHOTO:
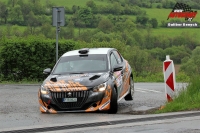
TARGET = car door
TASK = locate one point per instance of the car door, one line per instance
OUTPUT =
(117, 75)
(124, 74)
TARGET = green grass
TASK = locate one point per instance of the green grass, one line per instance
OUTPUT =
(21, 28)
(187, 99)
(171, 32)
(159, 77)
(70, 3)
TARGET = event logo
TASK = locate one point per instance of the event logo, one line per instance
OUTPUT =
(181, 10)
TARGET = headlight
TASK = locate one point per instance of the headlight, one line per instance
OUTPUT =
(100, 87)
(44, 90)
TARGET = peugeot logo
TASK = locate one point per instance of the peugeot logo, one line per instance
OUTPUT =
(69, 94)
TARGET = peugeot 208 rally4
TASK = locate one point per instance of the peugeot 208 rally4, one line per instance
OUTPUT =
(86, 80)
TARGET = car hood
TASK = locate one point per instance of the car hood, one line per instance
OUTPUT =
(74, 82)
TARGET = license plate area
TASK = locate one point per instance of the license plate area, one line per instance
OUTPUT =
(69, 100)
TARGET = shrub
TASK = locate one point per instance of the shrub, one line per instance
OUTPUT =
(26, 58)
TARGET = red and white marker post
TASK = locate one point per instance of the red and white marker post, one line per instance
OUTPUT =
(169, 78)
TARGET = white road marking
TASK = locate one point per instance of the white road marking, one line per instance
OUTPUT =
(145, 90)
(141, 91)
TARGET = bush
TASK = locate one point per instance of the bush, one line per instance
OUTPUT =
(26, 58)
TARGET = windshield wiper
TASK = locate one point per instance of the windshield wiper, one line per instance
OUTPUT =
(77, 73)
(56, 74)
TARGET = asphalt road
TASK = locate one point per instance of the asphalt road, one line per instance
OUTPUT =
(176, 125)
(19, 106)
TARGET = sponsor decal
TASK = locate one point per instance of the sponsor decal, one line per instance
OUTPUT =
(119, 81)
(104, 105)
(64, 86)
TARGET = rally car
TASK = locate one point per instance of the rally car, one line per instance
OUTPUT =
(87, 80)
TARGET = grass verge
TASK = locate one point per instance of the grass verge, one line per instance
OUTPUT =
(159, 77)
(188, 99)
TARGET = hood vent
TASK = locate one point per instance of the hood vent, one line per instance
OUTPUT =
(95, 77)
(54, 79)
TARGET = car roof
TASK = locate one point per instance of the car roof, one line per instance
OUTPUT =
(91, 51)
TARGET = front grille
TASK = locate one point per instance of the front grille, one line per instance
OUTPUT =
(81, 96)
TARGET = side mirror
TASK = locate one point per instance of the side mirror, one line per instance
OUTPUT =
(117, 67)
(47, 71)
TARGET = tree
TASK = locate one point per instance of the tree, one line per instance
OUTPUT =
(139, 37)
(154, 22)
(80, 24)
(105, 25)
(192, 66)
(75, 8)
(168, 3)
(37, 7)
(16, 15)
(46, 30)
(159, 6)
(116, 8)
(141, 61)
(85, 15)
(127, 9)
(25, 9)
(142, 19)
(128, 25)
(68, 32)
(91, 4)
(12, 2)
(3, 12)
(32, 21)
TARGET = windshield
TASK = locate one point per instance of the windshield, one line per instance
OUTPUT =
(82, 64)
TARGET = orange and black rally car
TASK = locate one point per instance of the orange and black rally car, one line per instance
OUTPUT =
(86, 80)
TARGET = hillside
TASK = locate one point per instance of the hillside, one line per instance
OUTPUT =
(136, 28)
(159, 14)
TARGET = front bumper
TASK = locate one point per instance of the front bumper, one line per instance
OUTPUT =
(88, 101)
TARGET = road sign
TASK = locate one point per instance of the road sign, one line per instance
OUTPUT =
(58, 16)
(169, 78)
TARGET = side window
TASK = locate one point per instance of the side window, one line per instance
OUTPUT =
(119, 57)
(113, 60)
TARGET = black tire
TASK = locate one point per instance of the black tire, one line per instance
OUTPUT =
(113, 102)
(130, 95)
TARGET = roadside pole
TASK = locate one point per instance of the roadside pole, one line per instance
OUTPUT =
(58, 18)
(169, 78)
